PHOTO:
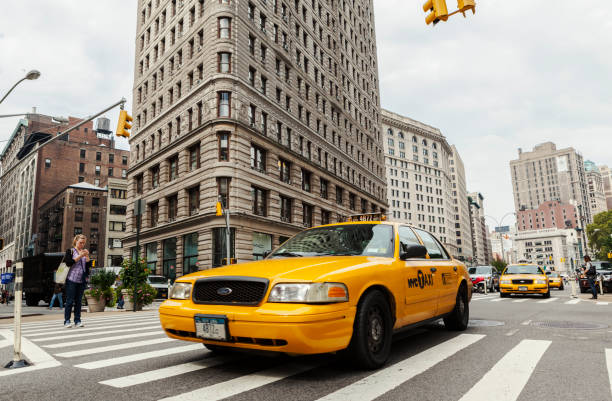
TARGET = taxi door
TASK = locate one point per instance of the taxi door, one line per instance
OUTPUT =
(446, 269)
(420, 291)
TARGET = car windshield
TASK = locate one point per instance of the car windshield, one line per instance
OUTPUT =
(552, 274)
(157, 280)
(340, 240)
(479, 270)
(523, 269)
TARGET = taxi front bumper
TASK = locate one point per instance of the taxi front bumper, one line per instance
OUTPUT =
(279, 327)
(524, 288)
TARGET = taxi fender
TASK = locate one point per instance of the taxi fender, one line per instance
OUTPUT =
(377, 285)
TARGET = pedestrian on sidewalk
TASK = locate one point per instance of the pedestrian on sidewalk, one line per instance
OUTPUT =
(77, 258)
(57, 294)
(6, 296)
(591, 275)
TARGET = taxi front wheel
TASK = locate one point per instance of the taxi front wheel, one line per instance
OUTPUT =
(458, 319)
(370, 345)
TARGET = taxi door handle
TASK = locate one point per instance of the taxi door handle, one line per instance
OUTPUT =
(433, 269)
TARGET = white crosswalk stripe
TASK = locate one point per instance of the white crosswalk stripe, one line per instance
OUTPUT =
(91, 328)
(139, 357)
(105, 339)
(508, 377)
(59, 328)
(59, 321)
(520, 300)
(97, 332)
(116, 347)
(387, 379)
(545, 301)
(572, 302)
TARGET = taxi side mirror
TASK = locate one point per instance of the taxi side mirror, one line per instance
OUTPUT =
(413, 251)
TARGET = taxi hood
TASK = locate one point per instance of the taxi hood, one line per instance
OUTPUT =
(316, 268)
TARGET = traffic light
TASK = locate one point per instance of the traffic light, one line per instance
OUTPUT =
(219, 209)
(123, 124)
(465, 5)
(438, 11)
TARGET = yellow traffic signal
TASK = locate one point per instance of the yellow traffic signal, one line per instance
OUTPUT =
(123, 125)
(465, 5)
(438, 11)
(219, 209)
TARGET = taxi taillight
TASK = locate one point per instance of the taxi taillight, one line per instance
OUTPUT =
(336, 292)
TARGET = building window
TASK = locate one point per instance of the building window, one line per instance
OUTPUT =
(95, 217)
(98, 170)
(324, 188)
(173, 170)
(78, 230)
(81, 179)
(138, 181)
(190, 253)
(81, 167)
(110, 171)
(120, 210)
(78, 215)
(123, 173)
(219, 250)
(339, 195)
(83, 153)
(285, 212)
(307, 214)
(47, 163)
(284, 168)
(169, 267)
(154, 213)
(258, 158)
(172, 202)
(224, 63)
(223, 184)
(225, 31)
(352, 201)
(151, 256)
(325, 216)
(194, 200)
(111, 158)
(194, 157)
(97, 182)
(80, 200)
(258, 197)
(95, 201)
(306, 175)
(99, 156)
(224, 104)
(116, 226)
(124, 160)
(224, 146)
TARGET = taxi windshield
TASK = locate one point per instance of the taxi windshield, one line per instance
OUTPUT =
(479, 270)
(340, 240)
(523, 269)
(157, 280)
(552, 274)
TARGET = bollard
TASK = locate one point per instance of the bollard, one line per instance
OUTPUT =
(573, 283)
(18, 361)
(168, 289)
(601, 284)
(485, 287)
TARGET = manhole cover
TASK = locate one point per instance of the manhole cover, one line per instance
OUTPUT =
(485, 323)
(569, 325)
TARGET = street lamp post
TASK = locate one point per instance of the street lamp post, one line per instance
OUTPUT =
(31, 75)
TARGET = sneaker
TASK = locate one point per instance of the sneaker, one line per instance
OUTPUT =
(67, 325)
(79, 324)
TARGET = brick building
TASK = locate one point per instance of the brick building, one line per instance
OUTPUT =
(78, 209)
(273, 107)
(552, 214)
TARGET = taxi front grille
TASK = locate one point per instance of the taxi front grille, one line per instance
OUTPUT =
(230, 291)
(522, 281)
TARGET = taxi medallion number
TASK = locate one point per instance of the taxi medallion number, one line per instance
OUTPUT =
(211, 327)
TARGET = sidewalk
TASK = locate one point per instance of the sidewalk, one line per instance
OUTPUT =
(607, 297)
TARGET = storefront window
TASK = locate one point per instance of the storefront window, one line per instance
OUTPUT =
(169, 268)
(261, 243)
(219, 247)
(152, 256)
(190, 253)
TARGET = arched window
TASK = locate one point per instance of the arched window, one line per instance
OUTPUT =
(434, 145)
(424, 142)
(401, 135)
(414, 139)
(390, 132)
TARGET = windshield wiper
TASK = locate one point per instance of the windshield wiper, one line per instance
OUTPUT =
(290, 254)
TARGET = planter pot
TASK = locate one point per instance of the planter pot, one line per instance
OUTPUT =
(95, 304)
(128, 304)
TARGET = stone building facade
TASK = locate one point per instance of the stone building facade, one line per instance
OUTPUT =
(462, 226)
(606, 177)
(78, 209)
(481, 241)
(551, 248)
(419, 187)
(547, 173)
(595, 188)
(271, 106)
(552, 214)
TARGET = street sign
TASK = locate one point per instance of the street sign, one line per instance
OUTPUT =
(139, 207)
(7, 278)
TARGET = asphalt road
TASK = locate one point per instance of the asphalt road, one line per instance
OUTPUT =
(507, 353)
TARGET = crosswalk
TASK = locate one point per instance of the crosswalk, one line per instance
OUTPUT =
(538, 300)
(132, 353)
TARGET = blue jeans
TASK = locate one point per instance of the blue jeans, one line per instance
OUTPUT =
(593, 284)
(57, 296)
(74, 296)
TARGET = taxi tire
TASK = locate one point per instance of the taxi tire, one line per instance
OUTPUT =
(459, 318)
(547, 295)
(503, 295)
(373, 309)
(561, 288)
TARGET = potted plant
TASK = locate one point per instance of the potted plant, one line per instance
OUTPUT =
(134, 286)
(100, 294)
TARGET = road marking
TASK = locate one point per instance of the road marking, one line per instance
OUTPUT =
(526, 322)
(244, 383)
(508, 377)
(97, 333)
(520, 300)
(545, 301)
(384, 380)
(601, 303)
(105, 339)
(140, 357)
(512, 332)
(99, 350)
(39, 358)
(609, 365)
(572, 302)
(164, 373)
(499, 299)
(60, 320)
(89, 327)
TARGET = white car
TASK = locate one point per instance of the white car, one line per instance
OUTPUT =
(160, 283)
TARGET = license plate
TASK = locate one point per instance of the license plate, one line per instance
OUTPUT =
(211, 327)
(522, 288)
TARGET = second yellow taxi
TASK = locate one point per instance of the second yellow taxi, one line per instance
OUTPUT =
(346, 286)
(523, 278)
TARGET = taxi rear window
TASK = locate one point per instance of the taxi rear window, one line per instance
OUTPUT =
(340, 240)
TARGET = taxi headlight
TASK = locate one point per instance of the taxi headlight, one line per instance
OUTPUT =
(309, 293)
(180, 291)
(540, 281)
(505, 281)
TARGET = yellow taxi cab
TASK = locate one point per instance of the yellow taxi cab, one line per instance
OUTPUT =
(523, 278)
(555, 280)
(345, 286)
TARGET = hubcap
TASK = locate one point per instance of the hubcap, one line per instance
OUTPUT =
(375, 330)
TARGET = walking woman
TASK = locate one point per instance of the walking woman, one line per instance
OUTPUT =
(591, 275)
(77, 258)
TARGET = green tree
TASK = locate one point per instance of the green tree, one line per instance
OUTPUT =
(500, 265)
(600, 234)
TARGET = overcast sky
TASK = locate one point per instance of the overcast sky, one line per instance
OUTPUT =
(515, 74)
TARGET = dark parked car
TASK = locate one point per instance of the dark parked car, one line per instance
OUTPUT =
(484, 274)
(604, 272)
